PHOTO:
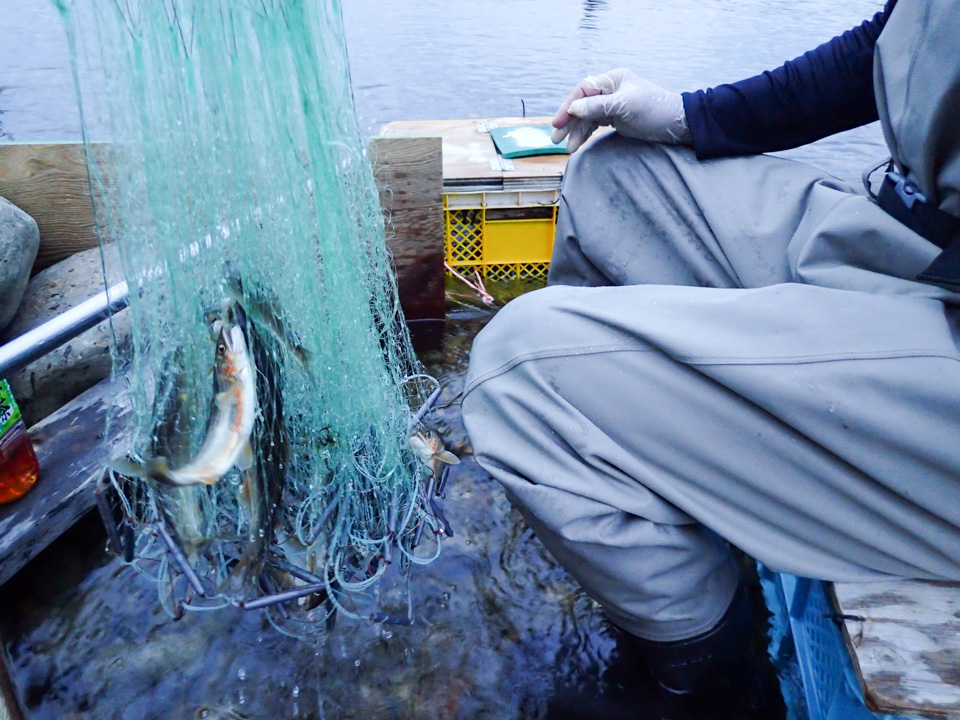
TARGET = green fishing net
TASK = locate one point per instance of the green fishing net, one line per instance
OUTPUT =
(236, 185)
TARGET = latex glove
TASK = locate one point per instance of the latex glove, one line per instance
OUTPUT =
(635, 107)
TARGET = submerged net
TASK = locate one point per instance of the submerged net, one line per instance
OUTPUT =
(237, 189)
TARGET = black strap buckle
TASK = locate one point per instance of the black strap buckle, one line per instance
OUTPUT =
(903, 200)
(945, 270)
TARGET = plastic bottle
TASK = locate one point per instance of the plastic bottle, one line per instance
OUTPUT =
(19, 469)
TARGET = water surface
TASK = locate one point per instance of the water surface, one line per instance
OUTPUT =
(436, 59)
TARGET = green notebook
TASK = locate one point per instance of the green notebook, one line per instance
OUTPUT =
(521, 141)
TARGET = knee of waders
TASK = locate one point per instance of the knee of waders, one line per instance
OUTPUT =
(600, 162)
(496, 386)
(721, 656)
(591, 164)
(522, 327)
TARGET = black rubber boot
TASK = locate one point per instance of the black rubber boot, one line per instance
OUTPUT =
(714, 676)
(699, 664)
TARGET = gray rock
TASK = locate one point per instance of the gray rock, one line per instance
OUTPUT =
(60, 376)
(19, 242)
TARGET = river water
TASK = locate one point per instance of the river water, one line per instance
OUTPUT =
(499, 625)
(436, 59)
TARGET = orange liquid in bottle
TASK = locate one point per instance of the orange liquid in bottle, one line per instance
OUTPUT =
(18, 465)
(19, 469)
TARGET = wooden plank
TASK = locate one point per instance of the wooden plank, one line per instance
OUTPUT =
(467, 154)
(904, 638)
(409, 173)
(49, 182)
(9, 707)
(71, 452)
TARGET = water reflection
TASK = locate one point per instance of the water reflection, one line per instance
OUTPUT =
(592, 10)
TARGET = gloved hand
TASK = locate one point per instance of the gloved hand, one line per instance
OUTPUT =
(635, 107)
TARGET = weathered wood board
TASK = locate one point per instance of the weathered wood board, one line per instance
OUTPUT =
(467, 154)
(71, 450)
(409, 174)
(49, 182)
(905, 644)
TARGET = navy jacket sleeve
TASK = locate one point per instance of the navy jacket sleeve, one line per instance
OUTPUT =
(822, 92)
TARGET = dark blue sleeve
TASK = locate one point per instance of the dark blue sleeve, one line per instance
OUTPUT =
(822, 92)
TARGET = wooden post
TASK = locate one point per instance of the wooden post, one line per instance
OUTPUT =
(409, 173)
(49, 183)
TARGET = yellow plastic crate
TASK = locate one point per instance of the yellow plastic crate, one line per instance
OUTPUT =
(504, 234)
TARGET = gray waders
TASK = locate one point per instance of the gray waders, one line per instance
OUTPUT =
(738, 350)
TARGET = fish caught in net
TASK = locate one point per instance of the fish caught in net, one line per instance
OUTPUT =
(275, 449)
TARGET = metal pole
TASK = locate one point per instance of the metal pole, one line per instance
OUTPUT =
(36, 343)
(286, 596)
(427, 406)
(181, 559)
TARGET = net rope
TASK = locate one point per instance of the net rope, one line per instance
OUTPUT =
(236, 186)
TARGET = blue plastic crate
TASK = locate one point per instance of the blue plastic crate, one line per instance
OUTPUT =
(804, 616)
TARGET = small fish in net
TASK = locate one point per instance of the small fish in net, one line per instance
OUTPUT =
(272, 379)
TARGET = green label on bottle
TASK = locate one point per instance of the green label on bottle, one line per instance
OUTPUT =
(9, 412)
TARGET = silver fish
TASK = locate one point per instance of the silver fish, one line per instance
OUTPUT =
(227, 443)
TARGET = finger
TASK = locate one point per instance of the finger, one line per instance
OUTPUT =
(606, 83)
(597, 108)
(575, 138)
(591, 86)
(580, 132)
(558, 134)
(580, 91)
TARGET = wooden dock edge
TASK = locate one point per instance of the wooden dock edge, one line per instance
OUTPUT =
(71, 450)
(903, 639)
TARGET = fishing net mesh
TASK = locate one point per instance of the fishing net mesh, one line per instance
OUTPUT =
(235, 176)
